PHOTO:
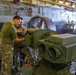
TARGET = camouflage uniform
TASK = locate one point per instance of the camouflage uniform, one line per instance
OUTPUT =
(6, 51)
(28, 59)
(21, 47)
(8, 33)
(24, 50)
(17, 49)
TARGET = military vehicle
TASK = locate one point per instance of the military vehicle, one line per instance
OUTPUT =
(56, 50)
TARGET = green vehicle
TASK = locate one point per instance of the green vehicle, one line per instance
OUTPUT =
(56, 50)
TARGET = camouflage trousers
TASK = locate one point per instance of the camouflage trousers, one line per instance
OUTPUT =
(6, 65)
(25, 51)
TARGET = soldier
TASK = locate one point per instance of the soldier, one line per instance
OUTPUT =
(8, 36)
(21, 48)
(21, 31)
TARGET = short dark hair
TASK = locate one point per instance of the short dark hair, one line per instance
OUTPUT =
(17, 17)
(21, 18)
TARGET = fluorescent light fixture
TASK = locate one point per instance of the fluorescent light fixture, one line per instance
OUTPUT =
(73, 5)
(67, 3)
(61, 2)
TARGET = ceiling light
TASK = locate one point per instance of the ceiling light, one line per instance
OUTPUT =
(61, 2)
(73, 5)
(67, 3)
